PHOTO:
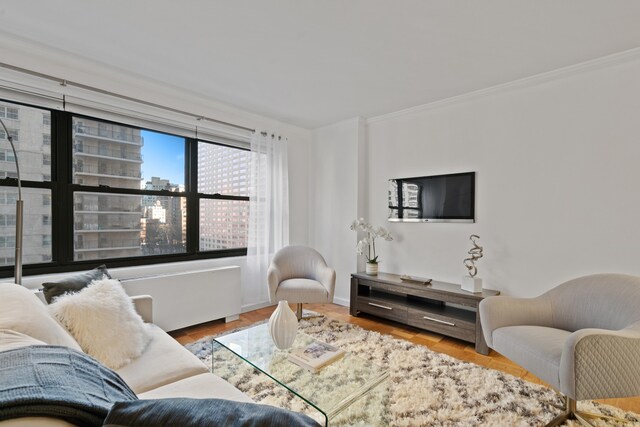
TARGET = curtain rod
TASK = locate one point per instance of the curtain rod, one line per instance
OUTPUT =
(64, 82)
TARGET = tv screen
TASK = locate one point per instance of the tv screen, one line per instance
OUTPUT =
(436, 198)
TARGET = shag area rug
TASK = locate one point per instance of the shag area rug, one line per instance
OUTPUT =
(424, 388)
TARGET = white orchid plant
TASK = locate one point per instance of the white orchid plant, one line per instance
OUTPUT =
(367, 246)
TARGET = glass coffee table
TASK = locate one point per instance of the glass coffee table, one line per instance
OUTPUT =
(337, 391)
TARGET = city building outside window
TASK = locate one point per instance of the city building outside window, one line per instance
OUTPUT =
(223, 222)
(26, 127)
(7, 112)
(15, 133)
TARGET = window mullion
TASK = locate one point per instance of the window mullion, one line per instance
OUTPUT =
(193, 199)
(218, 196)
(62, 209)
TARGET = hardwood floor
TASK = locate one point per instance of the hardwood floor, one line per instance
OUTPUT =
(451, 346)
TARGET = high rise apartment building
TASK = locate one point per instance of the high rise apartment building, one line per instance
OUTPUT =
(223, 170)
(31, 132)
(106, 225)
(164, 224)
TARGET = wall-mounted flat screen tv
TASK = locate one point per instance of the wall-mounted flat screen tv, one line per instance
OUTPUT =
(436, 198)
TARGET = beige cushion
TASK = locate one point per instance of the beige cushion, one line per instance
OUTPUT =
(536, 348)
(35, 422)
(10, 340)
(163, 361)
(22, 311)
(102, 319)
(302, 290)
(203, 386)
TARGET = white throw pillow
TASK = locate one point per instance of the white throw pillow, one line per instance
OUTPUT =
(22, 311)
(102, 318)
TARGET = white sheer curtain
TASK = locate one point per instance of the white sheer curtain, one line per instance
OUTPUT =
(268, 210)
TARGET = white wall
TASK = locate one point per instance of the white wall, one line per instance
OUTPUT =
(336, 163)
(21, 53)
(557, 162)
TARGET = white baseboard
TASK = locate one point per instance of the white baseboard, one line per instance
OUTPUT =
(341, 301)
(256, 306)
(250, 307)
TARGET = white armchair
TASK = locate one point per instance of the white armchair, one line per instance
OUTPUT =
(299, 274)
(582, 337)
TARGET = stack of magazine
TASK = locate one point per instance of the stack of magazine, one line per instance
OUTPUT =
(315, 356)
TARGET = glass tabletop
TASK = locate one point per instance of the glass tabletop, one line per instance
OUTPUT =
(330, 390)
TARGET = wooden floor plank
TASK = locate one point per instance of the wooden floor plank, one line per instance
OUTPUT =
(455, 348)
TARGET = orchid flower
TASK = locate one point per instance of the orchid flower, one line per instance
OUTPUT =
(367, 246)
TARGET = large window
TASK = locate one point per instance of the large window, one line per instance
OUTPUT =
(97, 190)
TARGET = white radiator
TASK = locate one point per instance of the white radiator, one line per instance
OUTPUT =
(191, 297)
(184, 293)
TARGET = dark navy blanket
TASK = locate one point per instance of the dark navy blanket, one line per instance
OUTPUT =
(185, 412)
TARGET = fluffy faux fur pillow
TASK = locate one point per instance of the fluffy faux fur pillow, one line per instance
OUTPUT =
(101, 317)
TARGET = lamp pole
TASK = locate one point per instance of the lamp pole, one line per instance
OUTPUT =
(19, 211)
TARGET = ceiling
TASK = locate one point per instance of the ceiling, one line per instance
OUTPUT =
(315, 62)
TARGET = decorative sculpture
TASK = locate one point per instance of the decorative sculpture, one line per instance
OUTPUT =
(476, 254)
(283, 326)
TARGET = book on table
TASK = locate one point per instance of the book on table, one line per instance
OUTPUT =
(315, 356)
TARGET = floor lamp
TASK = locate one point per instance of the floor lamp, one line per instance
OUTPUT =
(19, 203)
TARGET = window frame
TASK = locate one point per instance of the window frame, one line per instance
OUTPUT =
(63, 189)
(210, 196)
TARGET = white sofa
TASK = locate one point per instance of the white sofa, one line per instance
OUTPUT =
(165, 369)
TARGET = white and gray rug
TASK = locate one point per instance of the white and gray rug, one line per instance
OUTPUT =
(425, 388)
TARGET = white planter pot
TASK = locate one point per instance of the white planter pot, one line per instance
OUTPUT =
(371, 269)
(283, 326)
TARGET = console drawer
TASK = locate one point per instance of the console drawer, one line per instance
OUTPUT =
(386, 309)
(451, 326)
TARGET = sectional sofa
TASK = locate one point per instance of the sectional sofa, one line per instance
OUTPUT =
(165, 369)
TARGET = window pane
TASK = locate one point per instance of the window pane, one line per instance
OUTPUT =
(123, 225)
(36, 240)
(32, 138)
(223, 224)
(163, 158)
(124, 157)
(223, 170)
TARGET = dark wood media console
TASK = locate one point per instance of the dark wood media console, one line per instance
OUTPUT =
(439, 307)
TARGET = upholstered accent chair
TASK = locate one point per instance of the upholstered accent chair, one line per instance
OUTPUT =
(299, 274)
(582, 337)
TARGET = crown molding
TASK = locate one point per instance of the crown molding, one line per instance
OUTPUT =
(537, 79)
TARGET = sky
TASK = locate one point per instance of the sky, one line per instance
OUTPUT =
(163, 156)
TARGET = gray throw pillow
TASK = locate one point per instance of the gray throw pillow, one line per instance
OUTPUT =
(73, 283)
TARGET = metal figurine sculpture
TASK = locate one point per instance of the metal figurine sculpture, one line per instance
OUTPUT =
(476, 254)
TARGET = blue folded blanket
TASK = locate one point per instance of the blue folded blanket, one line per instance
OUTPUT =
(59, 382)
